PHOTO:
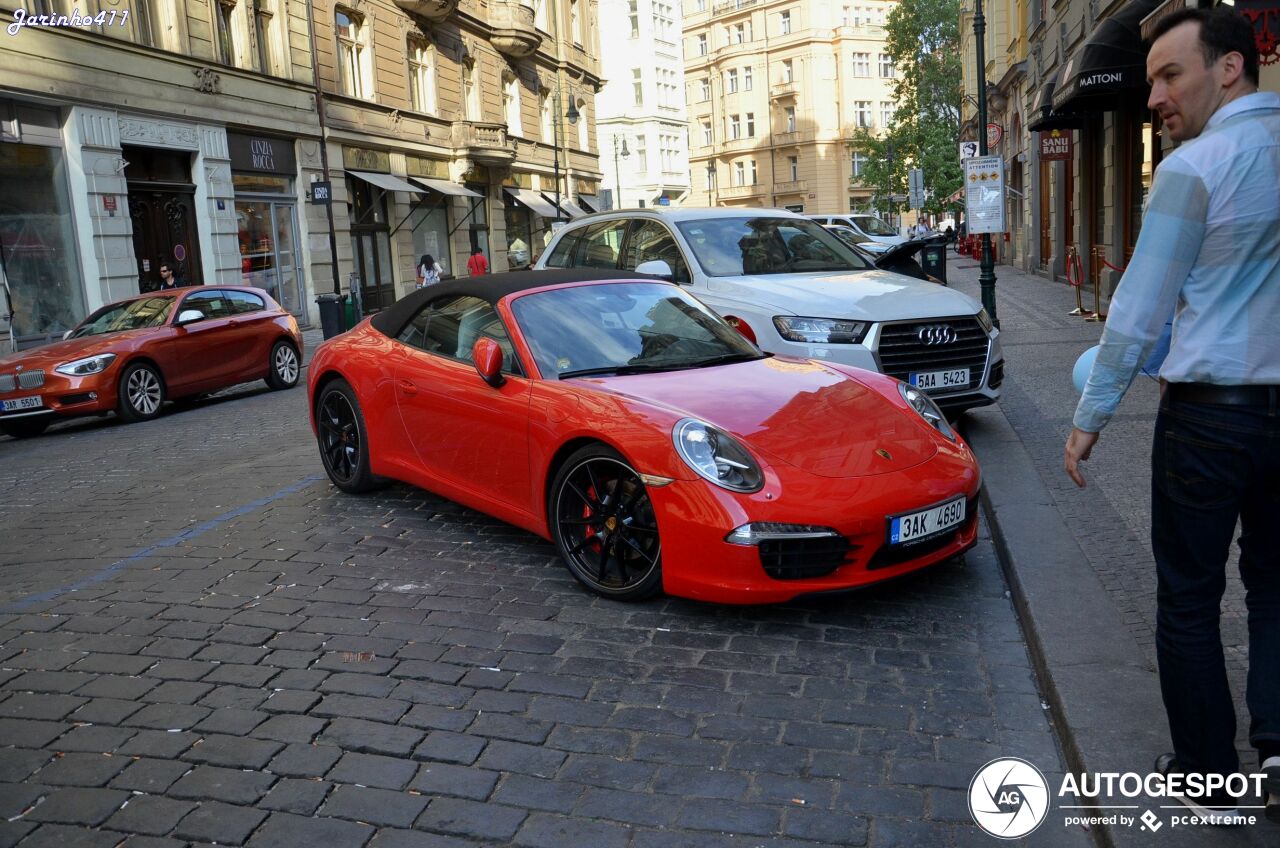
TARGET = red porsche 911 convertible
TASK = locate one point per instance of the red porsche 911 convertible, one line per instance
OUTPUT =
(658, 448)
(130, 356)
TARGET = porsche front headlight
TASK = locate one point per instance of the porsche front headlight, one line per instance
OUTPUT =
(88, 365)
(927, 409)
(716, 456)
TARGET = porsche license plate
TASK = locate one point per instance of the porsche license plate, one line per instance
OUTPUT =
(955, 378)
(927, 522)
(18, 404)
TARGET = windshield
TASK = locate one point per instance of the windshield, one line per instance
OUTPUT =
(873, 226)
(731, 247)
(850, 235)
(620, 328)
(130, 315)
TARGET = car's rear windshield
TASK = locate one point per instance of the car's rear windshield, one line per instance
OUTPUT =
(731, 247)
(130, 315)
(873, 226)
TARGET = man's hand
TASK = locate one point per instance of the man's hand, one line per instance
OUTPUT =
(1079, 446)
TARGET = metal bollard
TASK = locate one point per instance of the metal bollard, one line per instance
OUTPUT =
(1096, 253)
(1075, 279)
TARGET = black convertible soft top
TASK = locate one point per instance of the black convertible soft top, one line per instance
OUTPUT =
(491, 287)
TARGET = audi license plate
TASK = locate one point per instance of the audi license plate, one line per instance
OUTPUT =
(915, 526)
(956, 377)
(30, 402)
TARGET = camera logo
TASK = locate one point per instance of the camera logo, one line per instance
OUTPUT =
(1008, 798)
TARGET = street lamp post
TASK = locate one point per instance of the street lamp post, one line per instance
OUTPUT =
(616, 171)
(572, 115)
(986, 271)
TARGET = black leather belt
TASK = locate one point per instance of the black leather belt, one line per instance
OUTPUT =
(1224, 395)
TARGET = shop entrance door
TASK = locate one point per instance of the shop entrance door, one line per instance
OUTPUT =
(268, 255)
(371, 252)
(164, 230)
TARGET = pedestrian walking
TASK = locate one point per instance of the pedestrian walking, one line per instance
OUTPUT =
(1208, 254)
(477, 265)
(429, 270)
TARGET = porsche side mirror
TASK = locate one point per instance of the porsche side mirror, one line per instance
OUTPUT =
(189, 316)
(657, 268)
(487, 356)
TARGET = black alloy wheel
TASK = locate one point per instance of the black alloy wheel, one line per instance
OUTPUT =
(283, 368)
(25, 428)
(604, 525)
(343, 439)
(140, 393)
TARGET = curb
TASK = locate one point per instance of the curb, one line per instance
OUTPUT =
(1103, 696)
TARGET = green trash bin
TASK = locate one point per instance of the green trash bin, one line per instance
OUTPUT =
(348, 313)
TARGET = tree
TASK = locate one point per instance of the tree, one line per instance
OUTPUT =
(923, 39)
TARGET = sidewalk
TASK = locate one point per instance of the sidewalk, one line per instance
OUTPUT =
(1078, 561)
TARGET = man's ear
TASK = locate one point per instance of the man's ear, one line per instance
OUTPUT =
(1232, 68)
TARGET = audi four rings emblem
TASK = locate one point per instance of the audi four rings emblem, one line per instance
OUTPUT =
(936, 334)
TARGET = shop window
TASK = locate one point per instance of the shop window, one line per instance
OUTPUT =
(37, 243)
(430, 225)
(422, 75)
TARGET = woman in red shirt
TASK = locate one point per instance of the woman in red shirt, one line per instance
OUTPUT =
(477, 265)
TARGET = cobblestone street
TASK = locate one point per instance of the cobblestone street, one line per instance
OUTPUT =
(203, 642)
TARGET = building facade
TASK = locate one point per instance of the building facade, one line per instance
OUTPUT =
(776, 89)
(177, 131)
(453, 127)
(1067, 85)
(643, 127)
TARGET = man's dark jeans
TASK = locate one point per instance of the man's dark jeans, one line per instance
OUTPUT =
(1212, 464)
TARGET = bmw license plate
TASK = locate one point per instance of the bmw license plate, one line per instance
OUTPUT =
(955, 378)
(915, 526)
(17, 404)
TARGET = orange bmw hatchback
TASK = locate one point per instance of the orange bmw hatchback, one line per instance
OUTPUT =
(131, 356)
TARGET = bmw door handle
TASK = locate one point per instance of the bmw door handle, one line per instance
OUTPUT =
(408, 387)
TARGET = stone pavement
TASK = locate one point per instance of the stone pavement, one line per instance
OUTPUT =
(201, 641)
(1080, 560)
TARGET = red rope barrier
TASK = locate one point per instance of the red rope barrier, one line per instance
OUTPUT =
(1109, 265)
(1075, 270)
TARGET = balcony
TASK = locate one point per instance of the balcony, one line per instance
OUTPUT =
(791, 139)
(730, 7)
(484, 143)
(514, 33)
(782, 90)
(735, 145)
(792, 187)
(431, 10)
(735, 192)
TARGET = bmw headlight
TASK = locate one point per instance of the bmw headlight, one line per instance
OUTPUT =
(928, 410)
(716, 456)
(88, 365)
(985, 320)
(794, 328)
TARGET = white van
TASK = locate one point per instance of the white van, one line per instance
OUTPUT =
(865, 223)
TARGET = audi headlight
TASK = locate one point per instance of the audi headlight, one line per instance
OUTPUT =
(927, 409)
(716, 456)
(820, 330)
(88, 365)
(985, 320)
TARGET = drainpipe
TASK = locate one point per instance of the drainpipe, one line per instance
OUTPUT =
(324, 144)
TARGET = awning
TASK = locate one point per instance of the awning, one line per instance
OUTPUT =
(1111, 63)
(589, 203)
(1044, 117)
(570, 208)
(532, 201)
(386, 181)
(446, 187)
